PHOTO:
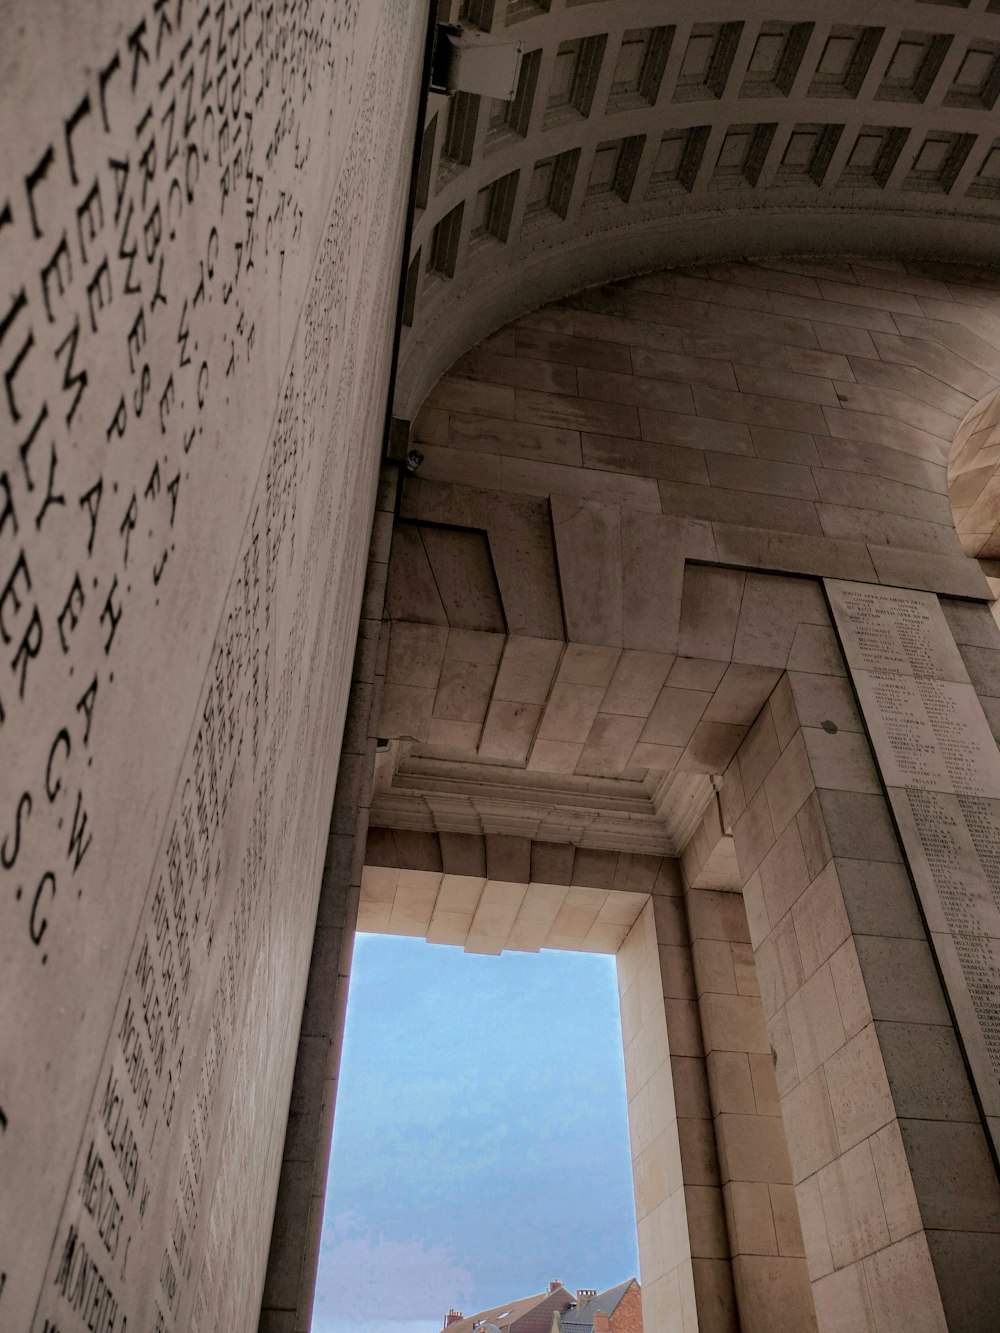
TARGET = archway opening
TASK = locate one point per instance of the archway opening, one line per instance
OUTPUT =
(481, 1151)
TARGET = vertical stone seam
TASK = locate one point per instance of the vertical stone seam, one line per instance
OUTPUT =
(339, 897)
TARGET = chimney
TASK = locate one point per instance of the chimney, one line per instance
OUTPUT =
(602, 1322)
(453, 1317)
(584, 1294)
(555, 1284)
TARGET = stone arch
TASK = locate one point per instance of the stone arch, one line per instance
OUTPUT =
(728, 138)
(821, 894)
(703, 462)
(972, 483)
(838, 424)
(753, 434)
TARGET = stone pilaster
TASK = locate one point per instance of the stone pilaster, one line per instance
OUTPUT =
(764, 1236)
(897, 1194)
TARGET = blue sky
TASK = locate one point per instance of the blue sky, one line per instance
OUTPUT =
(481, 1142)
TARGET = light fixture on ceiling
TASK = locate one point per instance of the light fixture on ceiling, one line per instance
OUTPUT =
(468, 61)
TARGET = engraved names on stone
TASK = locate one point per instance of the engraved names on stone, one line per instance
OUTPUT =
(941, 767)
(200, 207)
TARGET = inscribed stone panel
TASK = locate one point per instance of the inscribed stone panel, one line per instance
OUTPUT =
(941, 767)
(200, 214)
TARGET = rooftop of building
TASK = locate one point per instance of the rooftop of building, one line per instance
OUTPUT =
(581, 1316)
(548, 1310)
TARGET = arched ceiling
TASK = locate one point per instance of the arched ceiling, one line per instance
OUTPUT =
(973, 480)
(644, 134)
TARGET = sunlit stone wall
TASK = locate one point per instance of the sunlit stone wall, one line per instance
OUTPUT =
(972, 485)
(697, 440)
(201, 211)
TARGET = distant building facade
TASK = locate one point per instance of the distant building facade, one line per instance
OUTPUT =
(616, 1310)
(529, 1314)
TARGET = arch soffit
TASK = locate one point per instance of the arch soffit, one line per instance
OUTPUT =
(757, 134)
(974, 484)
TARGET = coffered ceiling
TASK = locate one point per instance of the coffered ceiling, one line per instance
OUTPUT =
(643, 134)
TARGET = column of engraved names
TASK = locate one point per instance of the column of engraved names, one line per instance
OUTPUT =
(914, 745)
(886, 656)
(111, 345)
(870, 625)
(325, 314)
(914, 626)
(982, 819)
(958, 732)
(222, 1296)
(960, 738)
(137, 1090)
(942, 824)
(153, 1089)
(227, 764)
(963, 742)
(945, 763)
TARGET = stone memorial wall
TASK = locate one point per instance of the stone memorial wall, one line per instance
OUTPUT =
(201, 212)
(941, 767)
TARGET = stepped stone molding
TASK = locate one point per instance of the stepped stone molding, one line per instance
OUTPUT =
(516, 860)
(491, 915)
(787, 417)
(811, 829)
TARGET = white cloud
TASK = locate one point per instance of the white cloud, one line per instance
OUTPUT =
(369, 1284)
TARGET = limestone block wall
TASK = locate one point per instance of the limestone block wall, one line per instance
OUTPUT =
(804, 411)
(761, 1215)
(896, 1188)
(664, 1243)
(699, 441)
(689, 1142)
(711, 1172)
(200, 224)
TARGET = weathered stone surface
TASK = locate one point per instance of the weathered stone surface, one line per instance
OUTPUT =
(642, 471)
(942, 769)
(195, 366)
